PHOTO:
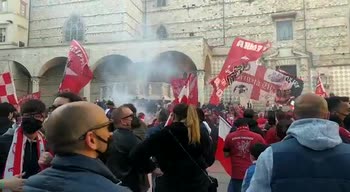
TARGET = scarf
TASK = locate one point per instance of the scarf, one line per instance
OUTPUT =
(14, 162)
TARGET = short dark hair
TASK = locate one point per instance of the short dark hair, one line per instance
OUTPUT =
(180, 110)
(6, 109)
(282, 128)
(257, 149)
(200, 113)
(33, 106)
(333, 103)
(163, 115)
(241, 122)
(70, 96)
(249, 113)
(117, 114)
(131, 107)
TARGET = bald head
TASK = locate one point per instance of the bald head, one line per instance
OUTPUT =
(69, 122)
(310, 105)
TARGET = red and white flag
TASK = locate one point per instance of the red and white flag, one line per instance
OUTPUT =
(224, 130)
(188, 94)
(28, 97)
(185, 91)
(7, 89)
(77, 73)
(320, 90)
(241, 52)
(260, 83)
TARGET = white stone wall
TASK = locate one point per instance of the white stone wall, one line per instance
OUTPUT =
(105, 21)
(322, 25)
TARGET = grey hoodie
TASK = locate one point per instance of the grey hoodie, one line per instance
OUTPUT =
(316, 134)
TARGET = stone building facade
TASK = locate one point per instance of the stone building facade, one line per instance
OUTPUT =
(308, 37)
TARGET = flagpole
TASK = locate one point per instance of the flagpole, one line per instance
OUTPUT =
(64, 72)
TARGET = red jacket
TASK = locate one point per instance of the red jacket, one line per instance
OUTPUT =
(271, 136)
(238, 144)
(344, 134)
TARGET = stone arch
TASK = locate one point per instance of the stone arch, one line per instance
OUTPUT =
(22, 79)
(111, 74)
(166, 66)
(74, 28)
(51, 75)
(169, 64)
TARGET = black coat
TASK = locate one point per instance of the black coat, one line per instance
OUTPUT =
(180, 172)
(31, 157)
(122, 167)
(74, 173)
(5, 124)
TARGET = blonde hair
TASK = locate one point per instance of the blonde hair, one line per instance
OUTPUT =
(192, 123)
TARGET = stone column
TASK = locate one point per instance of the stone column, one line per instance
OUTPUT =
(306, 74)
(35, 84)
(200, 81)
(87, 91)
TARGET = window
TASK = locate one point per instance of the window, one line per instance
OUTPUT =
(161, 32)
(23, 9)
(2, 35)
(74, 29)
(3, 5)
(161, 3)
(284, 30)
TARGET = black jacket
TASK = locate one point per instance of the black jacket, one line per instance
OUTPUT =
(74, 173)
(118, 161)
(31, 157)
(5, 124)
(180, 172)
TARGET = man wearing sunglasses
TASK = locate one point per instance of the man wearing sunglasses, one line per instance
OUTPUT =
(78, 134)
(64, 98)
(124, 141)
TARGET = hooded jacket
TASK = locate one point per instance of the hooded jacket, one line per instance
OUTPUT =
(314, 134)
(74, 173)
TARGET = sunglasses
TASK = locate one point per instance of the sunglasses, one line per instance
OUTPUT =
(100, 126)
(53, 107)
(131, 115)
(35, 115)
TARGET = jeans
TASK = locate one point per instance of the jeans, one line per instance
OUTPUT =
(235, 185)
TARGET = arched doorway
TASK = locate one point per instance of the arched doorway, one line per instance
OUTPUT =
(111, 78)
(51, 75)
(166, 66)
(171, 64)
(22, 79)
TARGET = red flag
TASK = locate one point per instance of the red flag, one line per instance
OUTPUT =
(188, 94)
(189, 90)
(242, 52)
(28, 97)
(7, 89)
(224, 130)
(320, 90)
(77, 73)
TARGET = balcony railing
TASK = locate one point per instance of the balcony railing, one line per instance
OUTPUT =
(150, 90)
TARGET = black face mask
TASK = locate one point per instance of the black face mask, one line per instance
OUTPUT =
(31, 125)
(103, 154)
(135, 123)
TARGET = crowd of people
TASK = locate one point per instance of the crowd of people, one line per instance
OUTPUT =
(75, 145)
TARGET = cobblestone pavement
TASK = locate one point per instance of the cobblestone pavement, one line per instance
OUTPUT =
(217, 171)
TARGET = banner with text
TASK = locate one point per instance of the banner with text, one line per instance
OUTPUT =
(260, 83)
(241, 52)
